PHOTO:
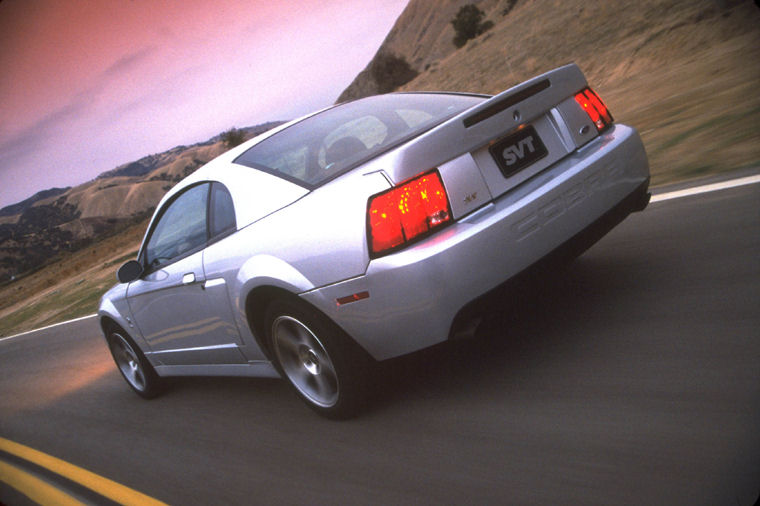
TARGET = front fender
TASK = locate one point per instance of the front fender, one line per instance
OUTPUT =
(117, 310)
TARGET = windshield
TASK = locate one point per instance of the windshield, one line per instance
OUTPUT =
(328, 144)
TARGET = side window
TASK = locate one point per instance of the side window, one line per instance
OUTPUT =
(181, 227)
(222, 211)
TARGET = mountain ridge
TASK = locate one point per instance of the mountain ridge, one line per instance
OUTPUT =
(65, 219)
(20, 207)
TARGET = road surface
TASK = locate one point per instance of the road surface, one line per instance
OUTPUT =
(631, 377)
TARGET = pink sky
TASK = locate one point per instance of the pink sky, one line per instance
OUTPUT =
(86, 86)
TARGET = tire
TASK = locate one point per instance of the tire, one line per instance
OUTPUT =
(132, 364)
(325, 367)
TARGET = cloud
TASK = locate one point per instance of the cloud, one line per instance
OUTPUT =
(127, 62)
(156, 94)
(20, 144)
(32, 139)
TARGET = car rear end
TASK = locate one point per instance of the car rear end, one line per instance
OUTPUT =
(479, 199)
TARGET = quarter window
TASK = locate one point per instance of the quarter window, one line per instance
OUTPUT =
(180, 229)
(222, 211)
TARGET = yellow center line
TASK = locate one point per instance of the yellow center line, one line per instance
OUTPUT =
(35, 489)
(103, 486)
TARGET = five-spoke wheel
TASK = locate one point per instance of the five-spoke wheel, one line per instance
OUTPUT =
(305, 361)
(326, 368)
(133, 365)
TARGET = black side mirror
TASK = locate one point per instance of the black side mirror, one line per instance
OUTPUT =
(130, 271)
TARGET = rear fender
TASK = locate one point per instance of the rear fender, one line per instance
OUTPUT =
(274, 275)
(268, 270)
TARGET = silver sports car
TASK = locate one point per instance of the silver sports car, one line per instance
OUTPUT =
(367, 231)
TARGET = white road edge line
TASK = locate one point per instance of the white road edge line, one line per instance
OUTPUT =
(48, 327)
(655, 198)
(707, 188)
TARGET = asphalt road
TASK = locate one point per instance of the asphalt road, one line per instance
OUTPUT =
(631, 377)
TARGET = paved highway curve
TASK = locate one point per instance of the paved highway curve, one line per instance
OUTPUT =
(630, 377)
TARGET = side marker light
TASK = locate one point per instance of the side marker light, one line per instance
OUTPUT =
(352, 298)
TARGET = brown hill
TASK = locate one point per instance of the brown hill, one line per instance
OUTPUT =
(18, 208)
(684, 72)
(65, 220)
(421, 35)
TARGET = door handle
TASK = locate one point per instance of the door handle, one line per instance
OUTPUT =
(188, 278)
(210, 283)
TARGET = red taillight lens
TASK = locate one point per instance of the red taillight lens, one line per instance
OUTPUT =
(406, 212)
(595, 108)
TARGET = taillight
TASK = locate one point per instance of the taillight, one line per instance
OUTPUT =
(406, 212)
(595, 108)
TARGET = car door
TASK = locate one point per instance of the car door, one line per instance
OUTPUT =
(182, 321)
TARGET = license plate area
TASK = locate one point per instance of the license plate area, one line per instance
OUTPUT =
(517, 151)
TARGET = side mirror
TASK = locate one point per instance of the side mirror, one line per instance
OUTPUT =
(130, 271)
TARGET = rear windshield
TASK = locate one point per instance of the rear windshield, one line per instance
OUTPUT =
(328, 144)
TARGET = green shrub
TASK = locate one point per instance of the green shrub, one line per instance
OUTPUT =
(510, 5)
(233, 137)
(468, 24)
(390, 71)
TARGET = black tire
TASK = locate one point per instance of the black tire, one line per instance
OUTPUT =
(325, 367)
(132, 364)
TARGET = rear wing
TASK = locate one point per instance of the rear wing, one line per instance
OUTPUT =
(476, 127)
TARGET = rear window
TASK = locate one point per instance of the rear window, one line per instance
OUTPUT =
(334, 141)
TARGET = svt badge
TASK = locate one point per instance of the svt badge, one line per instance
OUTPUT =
(518, 151)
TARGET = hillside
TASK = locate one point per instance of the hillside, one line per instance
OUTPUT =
(36, 229)
(20, 207)
(421, 35)
(684, 72)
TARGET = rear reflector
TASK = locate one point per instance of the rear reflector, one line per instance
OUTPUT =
(406, 212)
(595, 108)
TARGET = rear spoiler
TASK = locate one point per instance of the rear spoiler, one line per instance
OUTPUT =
(557, 85)
(476, 127)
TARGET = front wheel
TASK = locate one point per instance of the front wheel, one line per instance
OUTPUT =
(133, 365)
(324, 366)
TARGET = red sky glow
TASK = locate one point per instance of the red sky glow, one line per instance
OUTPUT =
(89, 85)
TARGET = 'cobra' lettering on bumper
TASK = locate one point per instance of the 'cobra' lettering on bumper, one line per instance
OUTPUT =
(568, 199)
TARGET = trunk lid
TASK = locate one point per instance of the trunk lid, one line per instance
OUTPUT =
(493, 147)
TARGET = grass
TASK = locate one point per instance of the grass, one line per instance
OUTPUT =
(717, 123)
(69, 286)
(683, 72)
(57, 306)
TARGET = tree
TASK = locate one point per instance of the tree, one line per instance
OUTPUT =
(390, 71)
(233, 137)
(468, 24)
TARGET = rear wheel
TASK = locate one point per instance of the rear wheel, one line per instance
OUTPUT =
(325, 367)
(133, 365)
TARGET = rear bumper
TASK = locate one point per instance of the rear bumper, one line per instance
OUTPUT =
(417, 295)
